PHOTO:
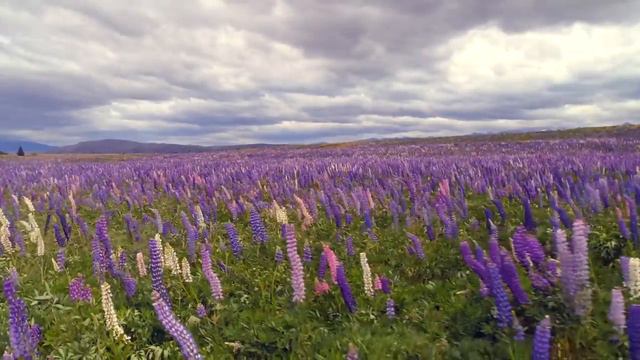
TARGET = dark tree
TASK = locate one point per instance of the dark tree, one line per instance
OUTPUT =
(20, 151)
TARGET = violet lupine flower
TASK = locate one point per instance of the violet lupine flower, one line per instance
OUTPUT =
(348, 242)
(431, 235)
(322, 266)
(102, 234)
(385, 285)
(416, 245)
(624, 267)
(97, 255)
(579, 238)
(488, 216)
(210, 275)
(157, 272)
(297, 271)
(510, 276)
(520, 247)
(192, 236)
(529, 222)
(391, 308)
(222, 266)
(633, 221)
(130, 284)
(622, 225)
(475, 266)
(542, 340)
(60, 239)
(616, 311)
(122, 260)
(519, 335)
(345, 289)
(201, 311)
(633, 331)
(79, 291)
(279, 256)
(60, 258)
(234, 240)
(257, 227)
(307, 253)
(178, 331)
(21, 335)
(538, 281)
(496, 287)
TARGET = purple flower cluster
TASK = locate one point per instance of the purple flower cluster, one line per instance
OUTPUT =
(234, 239)
(345, 289)
(416, 246)
(257, 227)
(157, 272)
(23, 337)
(79, 291)
(542, 340)
(179, 332)
(297, 271)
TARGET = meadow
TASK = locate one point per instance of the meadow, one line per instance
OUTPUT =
(480, 250)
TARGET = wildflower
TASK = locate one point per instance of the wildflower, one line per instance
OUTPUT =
(79, 291)
(111, 319)
(297, 274)
(142, 269)
(366, 274)
(210, 275)
(186, 271)
(345, 289)
(542, 340)
(234, 240)
(616, 311)
(177, 330)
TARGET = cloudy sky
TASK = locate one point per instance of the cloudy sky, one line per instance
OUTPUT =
(226, 72)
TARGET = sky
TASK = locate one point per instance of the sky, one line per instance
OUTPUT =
(307, 71)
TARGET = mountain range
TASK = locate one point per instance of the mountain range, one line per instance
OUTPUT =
(114, 146)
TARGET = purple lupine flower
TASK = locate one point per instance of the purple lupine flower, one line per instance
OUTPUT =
(499, 294)
(500, 207)
(416, 245)
(529, 222)
(21, 335)
(257, 227)
(519, 335)
(201, 311)
(488, 216)
(510, 276)
(473, 264)
(579, 238)
(431, 235)
(122, 260)
(624, 267)
(322, 265)
(79, 291)
(622, 225)
(102, 234)
(297, 271)
(178, 331)
(564, 217)
(279, 255)
(633, 331)
(538, 281)
(494, 248)
(157, 272)
(535, 251)
(97, 255)
(391, 308)
(520, 247)
(345, 289)
(542, 340)
(209, 274)
(130, 284)
(60, 258)
(633, 221)
(348, 242)
(60, 239)
(616, 311)
(385, 284)
(192, 236)
(307, 253)
(234, 239)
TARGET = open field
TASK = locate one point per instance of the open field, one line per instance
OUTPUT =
(466, 250)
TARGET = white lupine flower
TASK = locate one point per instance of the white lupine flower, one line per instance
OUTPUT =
(142, 269)
(5, 233)
(280, 213)
(171, 259)
(186, 271)
(35, 236)
(366, 274)
(56, 268)
(29, 204)
(111, 319)
(634, 277)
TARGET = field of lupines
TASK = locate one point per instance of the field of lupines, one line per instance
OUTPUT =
(399, 251)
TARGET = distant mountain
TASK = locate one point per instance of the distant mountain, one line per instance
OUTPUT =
(112, 146)
(11, 146)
